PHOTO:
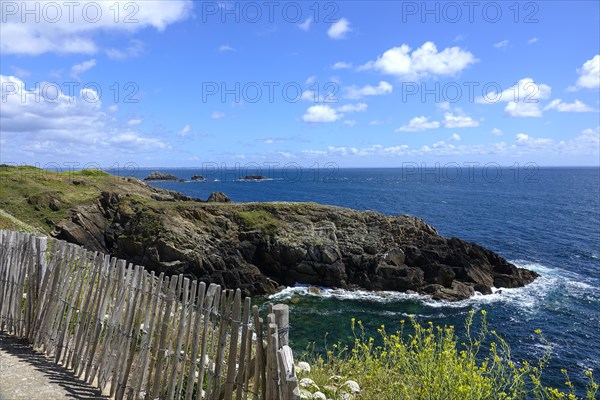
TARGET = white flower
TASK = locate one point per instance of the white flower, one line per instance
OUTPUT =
(303, 366)
(307, 383)
(319, 396)
(352, 386)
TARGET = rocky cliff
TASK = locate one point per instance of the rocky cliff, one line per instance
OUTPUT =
(261, 246)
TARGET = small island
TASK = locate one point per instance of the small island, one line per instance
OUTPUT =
(254, 178)
(161, 176)
(198, 178)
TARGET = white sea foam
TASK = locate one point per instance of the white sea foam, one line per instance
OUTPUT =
(527, 298)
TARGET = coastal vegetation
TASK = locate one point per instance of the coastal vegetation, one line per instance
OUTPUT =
(419, 362)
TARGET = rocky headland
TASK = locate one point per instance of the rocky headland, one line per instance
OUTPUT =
(257, 247)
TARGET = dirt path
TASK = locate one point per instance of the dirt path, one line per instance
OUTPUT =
(27, 375)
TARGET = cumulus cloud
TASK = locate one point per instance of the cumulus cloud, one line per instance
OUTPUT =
(354, 92)
(39, 123)
(497, 132)
(217, 115)
(523, 98)
(459, 121)
(533, 40)
(350, 122)
(576, 106)
(321, 113)
(358, 107)
(589, 74)
(80, 68)
(424, 61)
(455, 137)
(76, 36)
(340, 29)
(419, 124)
(523, 139)
(341, 65)
(326, 113)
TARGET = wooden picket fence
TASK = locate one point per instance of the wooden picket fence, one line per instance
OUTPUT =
(136, 335)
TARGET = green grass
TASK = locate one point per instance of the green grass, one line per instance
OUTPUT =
(431, 363)
(260, 219)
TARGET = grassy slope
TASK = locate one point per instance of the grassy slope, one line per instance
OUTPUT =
(33, 199)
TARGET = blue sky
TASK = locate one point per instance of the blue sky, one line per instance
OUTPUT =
(378, 83)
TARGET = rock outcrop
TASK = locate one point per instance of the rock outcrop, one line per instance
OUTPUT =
(161, 176)
(198, 178)
(261, 246)
(254, 178)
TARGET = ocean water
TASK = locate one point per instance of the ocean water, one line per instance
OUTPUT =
(545, 219)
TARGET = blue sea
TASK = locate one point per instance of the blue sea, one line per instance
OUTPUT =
(544, 219)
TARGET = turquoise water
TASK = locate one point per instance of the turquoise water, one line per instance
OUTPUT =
(544, 219)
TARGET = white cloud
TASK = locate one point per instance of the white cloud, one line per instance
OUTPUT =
(341, 65)
(312, 95)
(523, 109)
(524, 139)
(354, 92)
(533, 40)
(523, 98)
(185, 131)
(424, 61)
(217, 115)
(339, 29)
(134, 122)
(225, 47)
(459, 121)
(444, 106)
(305, 26)
(502, 44)
(350, 122)
(80, 68)
(272, 140)
(576, 106)
(497, 132)
(66, 36)
(455, 137)
(419, 124)
(310, 80)
(321, 113)
(589, 74)
(326, 113)
(358, 107)
(42, 123)
(135, 48)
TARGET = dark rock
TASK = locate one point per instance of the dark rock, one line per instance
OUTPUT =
(198, 178)
(161, 176)
(218, 197)
(394, 256)
(313, 244)
(254, 178)
(54, 205)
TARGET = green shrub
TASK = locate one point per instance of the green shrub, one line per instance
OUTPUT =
(429, 363)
